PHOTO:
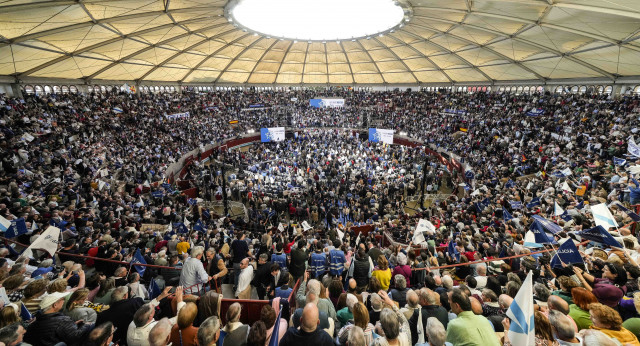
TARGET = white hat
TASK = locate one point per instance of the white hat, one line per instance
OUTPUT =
(51, 299)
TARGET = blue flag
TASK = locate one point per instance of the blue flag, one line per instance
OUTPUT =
(153, 289)
(566, 217)
(180, 227)
(137, 258)
(199, 226)
(580, 205)
(599, 235)
(534, 203)
(548, 224)
(510, 184)
(453, 252)
(157, 194)
(18, 227)
(506, 216)
(619, 162)
(206, 214)
(275, 336)
(469, 175)
(635, 217)
(515, 204)
(24, 313)
(567, 253)
(192, 201)
(540, 234)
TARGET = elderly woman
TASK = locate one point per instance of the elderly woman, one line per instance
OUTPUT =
(14, 286)
(183, 332)
(402, 269)
(237, 332)
(360, 319)
(610, 288)
(399, 293)
(608, 321)
(394, 328)
(543, 332)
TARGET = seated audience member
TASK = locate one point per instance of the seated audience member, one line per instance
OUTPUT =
(160, 333)
(120, 312)
(468, 328)
(183, 332)
(235, 331)
(12, 335)
(209, 332)
(309, 333)
(608, 321)
(563, 330)
(101, 335)
(52, 326)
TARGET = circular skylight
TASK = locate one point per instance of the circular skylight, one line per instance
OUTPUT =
(316, 20)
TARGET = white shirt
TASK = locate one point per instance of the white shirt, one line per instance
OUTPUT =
(139, 336)
(193, 273)
(246, 275)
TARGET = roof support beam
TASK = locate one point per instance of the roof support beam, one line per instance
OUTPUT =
(531, 43)
(599, 10)
(259, 60)
(438, 68)
(398, 58)
(104, 21)
(282, 61)
(513, 61)
(346, 56)
(237, 56)
(104, 43)
(205, 59)
(372, 61)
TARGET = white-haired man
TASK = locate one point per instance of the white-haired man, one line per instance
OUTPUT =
(193, 276)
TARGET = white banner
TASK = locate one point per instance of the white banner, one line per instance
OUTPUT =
(305, 226)
(177, 115)
(602, 216)
(321, 103)
(272, 134)
(47, 241)
(381, 135)
(425, 226)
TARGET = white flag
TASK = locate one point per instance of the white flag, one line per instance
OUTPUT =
(280, 227)
(4, 224)
(186, 222)
(557, 210)
(602, 216)
(305, 226)
(358, 239)
(425, 226)
(47, 241)
(565, 187)
(340, 234)
(633, 148)
(522, 331)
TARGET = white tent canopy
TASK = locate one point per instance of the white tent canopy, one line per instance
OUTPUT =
(443, 41)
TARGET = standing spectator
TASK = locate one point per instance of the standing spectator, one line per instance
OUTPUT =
(382, 272)
(468, 328)
(309, 334)
(244, 282)
(236, 332)
(240, 251)
(120, 312)
(193, 277)
(299, 258)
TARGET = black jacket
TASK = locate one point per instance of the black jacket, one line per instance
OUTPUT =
(298, 263)
(436, 311)
(121, 314)
(262, 275)
(50, 329)
(361, 271)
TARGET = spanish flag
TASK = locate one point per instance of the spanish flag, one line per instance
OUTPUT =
(464, 129)
(524, 158)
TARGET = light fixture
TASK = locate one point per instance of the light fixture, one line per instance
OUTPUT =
(317, 20)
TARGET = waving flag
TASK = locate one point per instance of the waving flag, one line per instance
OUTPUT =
(548, 224)
(539, 233)
(580, 205)
(599, 235)
(522, 331)
(199, 226)
(47, 241)
(180, 227)
(602, 216)
(567, 253)
(4, 224)
(635, 217)
(157, 194)
(18, 227)
(509, 184)
(275, 339)
(619, 162)
(24, 312)
(137, 258)
(515, 204)
(451, 248)
(506, 216)
(530, 240)
(534, 203)
(632, 148)
(557, 210)
(153, 289)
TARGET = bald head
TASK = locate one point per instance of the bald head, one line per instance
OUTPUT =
(310, 318)
(352, 284)
(558, 304)
(476, 306)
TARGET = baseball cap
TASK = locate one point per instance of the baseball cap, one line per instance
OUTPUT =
(41, 271)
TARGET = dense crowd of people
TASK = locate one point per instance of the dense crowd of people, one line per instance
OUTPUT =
(95, 166)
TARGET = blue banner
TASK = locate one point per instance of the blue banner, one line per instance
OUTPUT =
(534, 203)
(153, 289)
(137, 258)
(548, 224)
(535, 112)
(506, 216)
(540, 234)
(599, 235)
(18, 227)
(567, 253)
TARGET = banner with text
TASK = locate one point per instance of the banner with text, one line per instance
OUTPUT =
(322, 103)
(381, 135)
(272, 134)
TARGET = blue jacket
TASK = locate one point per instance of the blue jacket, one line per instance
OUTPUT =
(318, 264)
(281, 259)
(336, 262)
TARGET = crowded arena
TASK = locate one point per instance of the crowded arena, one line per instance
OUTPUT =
(233, 209)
